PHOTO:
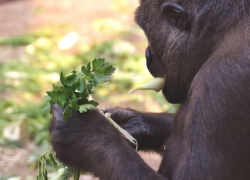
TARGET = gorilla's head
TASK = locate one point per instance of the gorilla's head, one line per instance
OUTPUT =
(182, 35)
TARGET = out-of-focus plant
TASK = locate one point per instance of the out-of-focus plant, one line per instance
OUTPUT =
(108, 26)
(124, 6)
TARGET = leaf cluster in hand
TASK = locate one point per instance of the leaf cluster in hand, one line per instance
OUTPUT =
(49, 159)
(75, 89)
(42, 164)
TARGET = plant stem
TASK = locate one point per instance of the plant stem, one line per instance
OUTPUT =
(125, 133)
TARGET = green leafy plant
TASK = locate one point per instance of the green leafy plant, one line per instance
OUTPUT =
(23, 40)
(75, 89)
(73, 92)
(48, 159)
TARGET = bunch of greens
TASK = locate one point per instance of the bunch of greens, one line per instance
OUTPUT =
(73, 92)
(47, 160)
(75, 89)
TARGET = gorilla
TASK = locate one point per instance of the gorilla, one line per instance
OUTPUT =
(202, 49)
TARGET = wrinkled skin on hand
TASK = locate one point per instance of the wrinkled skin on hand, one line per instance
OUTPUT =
(131, 121)
(150, 129)
(89, 142)
(77, 135)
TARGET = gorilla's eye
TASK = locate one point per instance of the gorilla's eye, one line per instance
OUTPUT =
(171, 7)
(175, 13)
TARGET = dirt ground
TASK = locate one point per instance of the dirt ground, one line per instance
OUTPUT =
(18, 17)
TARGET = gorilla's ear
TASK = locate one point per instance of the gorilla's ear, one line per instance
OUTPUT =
(175, 14)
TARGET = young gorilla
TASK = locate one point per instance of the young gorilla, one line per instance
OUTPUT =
(202, 48)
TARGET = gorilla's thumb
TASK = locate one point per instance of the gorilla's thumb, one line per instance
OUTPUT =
(57, 116)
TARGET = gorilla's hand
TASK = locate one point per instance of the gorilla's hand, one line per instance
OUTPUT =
(89, 142)
(84, 139)
(132, 121)
(150, 129)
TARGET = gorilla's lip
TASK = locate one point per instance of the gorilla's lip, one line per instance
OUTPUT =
(148, 55)
(154, 64)
(156, 74)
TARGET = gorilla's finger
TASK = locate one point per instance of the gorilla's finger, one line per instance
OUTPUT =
(137, 127)
(120, 115)
(57, 116)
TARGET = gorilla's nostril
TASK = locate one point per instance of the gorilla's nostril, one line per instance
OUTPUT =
(148, 55)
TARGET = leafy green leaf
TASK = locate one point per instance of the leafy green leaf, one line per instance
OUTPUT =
(66, 113)
(76, 87)
(85, 107)
(102, 68)
(17, 41)
(85, 70)
(82, 85)
(93, 103)
(69, 80)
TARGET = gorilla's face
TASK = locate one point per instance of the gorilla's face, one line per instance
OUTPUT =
(176, 48)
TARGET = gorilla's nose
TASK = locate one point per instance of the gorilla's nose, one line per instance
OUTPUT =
(148, 56)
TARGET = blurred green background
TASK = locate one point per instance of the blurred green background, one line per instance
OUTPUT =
(39, 39)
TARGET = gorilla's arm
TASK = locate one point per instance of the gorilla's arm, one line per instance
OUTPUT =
(150, 129)
(89, 142)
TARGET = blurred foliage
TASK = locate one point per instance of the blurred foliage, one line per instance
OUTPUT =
(25, 39)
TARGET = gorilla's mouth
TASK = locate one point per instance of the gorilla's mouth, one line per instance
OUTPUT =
(154, 65)
(148, 55)
(149, 60)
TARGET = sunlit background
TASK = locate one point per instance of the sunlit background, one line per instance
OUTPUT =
(39, 39)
